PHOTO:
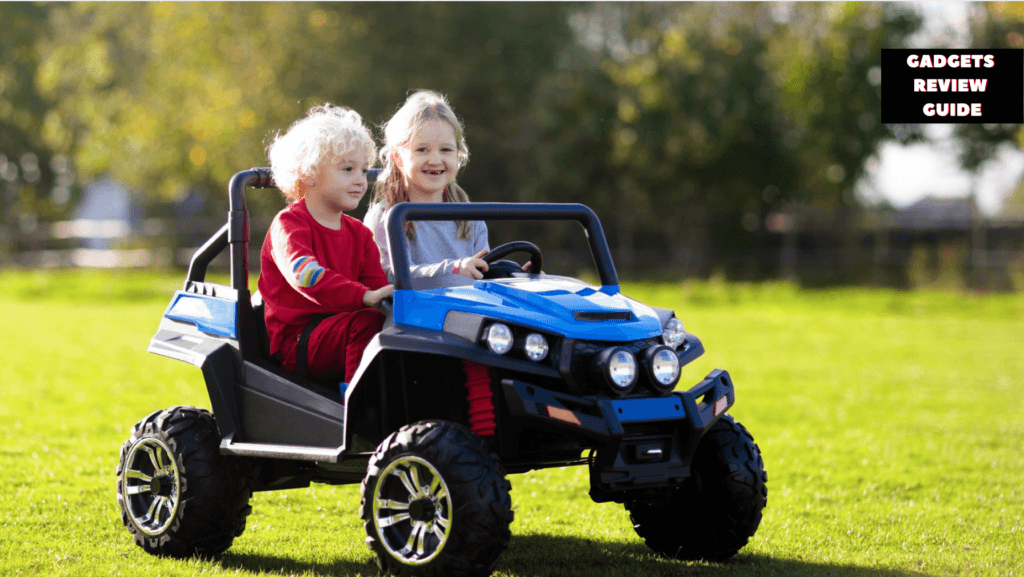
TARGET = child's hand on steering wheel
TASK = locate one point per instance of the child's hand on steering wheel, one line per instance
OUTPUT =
(472, 267)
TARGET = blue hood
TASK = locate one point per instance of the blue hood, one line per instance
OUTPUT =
(559, 305)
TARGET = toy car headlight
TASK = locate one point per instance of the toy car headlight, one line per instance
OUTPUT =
(498, 338)
(662, 366)
(673, 333)
(536, 347)
(617, 367)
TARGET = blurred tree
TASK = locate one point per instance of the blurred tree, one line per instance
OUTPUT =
(992, 25)
(486, 57)
(1013, 204)
(657, 115)
(164, 95)
(26, 177)
(827, 60)
(21, 107)
(672, 110)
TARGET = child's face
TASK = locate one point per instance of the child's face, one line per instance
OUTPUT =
(341, 182)
(430, 158)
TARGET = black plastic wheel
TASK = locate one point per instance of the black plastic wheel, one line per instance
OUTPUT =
(178, 495)
(436, 502)
(718, 509)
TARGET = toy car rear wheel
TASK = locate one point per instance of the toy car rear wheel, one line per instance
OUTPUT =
(718, 509)
(436, 502)
(178, 495)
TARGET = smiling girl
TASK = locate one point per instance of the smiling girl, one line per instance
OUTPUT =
(424, 148)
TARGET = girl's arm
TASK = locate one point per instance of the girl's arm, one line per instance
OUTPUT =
(452, 261)
(374, 220)
(372, 274)
(440, 271)
(479, 236)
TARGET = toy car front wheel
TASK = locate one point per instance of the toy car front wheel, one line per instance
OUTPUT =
(436, 502)
(177, 494)
(718, 509)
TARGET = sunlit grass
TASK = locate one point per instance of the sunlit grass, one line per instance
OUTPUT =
(891, 426)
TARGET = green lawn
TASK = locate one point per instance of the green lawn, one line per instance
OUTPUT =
(891, 425)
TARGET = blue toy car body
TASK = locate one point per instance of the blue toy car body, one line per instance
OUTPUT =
(574, 374)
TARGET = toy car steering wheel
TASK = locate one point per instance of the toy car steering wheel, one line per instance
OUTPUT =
(505, 268)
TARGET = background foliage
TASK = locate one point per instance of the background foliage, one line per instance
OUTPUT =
(1002, 26)
(709, 106)
(686, 126)
(192, 93)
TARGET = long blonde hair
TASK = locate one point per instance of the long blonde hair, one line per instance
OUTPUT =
(421, 107)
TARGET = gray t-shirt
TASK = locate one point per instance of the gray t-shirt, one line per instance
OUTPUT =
(434, 251)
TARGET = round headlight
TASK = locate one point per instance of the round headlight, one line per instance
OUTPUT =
(622, 368)
(617, 367)
(663, 367)
(498, 338)
(673, 333)
(536, 347)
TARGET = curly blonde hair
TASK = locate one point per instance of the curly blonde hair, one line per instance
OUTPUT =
(326, 133)
(421, 107)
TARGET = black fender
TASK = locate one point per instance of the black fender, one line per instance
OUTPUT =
(219, 359)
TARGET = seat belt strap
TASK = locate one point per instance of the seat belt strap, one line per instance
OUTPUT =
(302, 352)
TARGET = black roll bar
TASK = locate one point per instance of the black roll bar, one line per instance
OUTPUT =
(238, 222)
(409, 211)
(206, 253)
(236, 232)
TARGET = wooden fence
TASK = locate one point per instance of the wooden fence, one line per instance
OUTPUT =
(812, 248)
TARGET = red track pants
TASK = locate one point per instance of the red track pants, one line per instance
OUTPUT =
(336, 345)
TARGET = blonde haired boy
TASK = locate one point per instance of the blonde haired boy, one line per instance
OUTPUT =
(321, 278)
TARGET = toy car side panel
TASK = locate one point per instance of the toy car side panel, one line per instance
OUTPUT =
(277, 410)
(217, 357)
(257, 405)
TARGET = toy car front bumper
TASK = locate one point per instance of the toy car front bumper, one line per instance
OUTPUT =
(607, 420)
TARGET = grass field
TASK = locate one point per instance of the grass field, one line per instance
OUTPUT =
(891, 426)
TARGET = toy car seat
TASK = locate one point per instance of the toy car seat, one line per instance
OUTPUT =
(261, 328)
(258, 309)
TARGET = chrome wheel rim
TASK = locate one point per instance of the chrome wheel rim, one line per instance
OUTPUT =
(412, 510)
(150, 485)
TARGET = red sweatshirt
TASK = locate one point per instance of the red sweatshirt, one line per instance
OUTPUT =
(309, 269)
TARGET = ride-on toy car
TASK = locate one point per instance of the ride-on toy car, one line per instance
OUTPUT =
(464, 385)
